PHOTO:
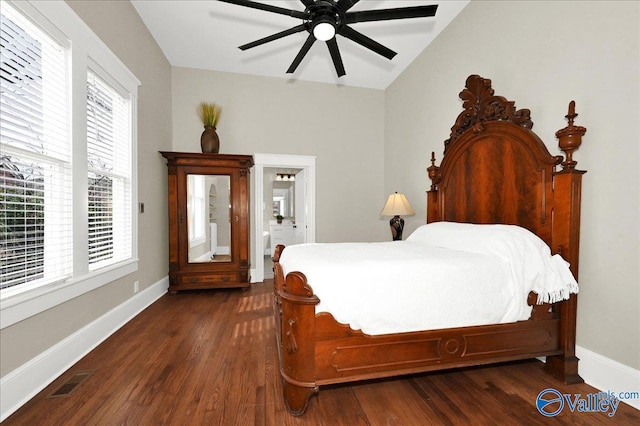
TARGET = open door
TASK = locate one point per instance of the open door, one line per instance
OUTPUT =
(300, 197)
(262, 205)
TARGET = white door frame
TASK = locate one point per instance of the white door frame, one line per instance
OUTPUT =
(308, 163)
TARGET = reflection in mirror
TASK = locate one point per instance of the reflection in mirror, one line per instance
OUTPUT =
(283, 199)
(208, 218)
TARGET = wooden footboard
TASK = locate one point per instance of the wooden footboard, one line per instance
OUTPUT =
(316, 350)
(294, 313)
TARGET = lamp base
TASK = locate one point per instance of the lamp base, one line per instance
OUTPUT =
(397, 225)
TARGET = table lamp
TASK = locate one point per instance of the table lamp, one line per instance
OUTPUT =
(395, 206)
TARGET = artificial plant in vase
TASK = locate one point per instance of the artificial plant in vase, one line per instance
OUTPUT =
(209, 114)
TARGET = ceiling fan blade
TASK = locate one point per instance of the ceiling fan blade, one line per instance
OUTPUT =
(335, 55)
(296, 29)
(388, 14)
(268, 8)
(345, 5)
(303, 51)
(308, 3)
(365, 41)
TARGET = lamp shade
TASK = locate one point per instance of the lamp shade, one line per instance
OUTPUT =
(397, 205)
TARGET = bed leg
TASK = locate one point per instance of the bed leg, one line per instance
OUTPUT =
(565, 366)
(297, 394)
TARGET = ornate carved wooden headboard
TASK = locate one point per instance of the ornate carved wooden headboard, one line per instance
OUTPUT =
(497, 170)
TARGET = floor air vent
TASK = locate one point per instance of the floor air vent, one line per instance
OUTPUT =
(71, 384)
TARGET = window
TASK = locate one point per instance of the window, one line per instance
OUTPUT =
(67, 187)
(35, 174)
(109, 170)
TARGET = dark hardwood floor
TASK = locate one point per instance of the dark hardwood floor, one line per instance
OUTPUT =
(209, 358)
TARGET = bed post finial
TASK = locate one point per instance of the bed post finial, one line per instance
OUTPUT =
(432, 170)
(433, 213)
(570, 138)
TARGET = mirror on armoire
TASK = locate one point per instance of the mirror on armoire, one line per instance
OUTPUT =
(208, 218)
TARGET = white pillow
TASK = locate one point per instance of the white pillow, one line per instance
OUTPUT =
(529, 256)
(486, 239)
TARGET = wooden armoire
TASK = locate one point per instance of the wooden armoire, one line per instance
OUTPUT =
(208, 220)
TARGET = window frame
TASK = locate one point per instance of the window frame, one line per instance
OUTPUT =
(87, 51)
(118, 174)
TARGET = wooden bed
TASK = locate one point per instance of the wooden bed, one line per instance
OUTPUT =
(494, 170)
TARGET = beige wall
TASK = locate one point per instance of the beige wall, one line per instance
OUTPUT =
(120, 27)
(543, 55)
(342, 126)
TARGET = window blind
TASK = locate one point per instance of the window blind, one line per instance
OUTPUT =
(109, 167)
(35, 153)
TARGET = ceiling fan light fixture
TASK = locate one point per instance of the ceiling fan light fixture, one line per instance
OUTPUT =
(324, 29)
(324, 19)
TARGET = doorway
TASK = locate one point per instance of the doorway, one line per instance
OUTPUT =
(305, 223)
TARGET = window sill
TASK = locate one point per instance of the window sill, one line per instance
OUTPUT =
(21, 306)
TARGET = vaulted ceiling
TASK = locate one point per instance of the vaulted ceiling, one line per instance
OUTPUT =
(206, 35)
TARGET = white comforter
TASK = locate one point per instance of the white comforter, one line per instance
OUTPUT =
(444, 275)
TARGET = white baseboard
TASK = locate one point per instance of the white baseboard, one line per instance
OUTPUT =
(23, 383)
(254, 276)
(606, 375)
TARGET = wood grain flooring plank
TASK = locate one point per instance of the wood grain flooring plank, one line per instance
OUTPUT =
(392, 402)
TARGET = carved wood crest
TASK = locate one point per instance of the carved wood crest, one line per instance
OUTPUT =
(480, 105)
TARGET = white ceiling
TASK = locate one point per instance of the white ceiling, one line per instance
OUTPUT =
(206, 35)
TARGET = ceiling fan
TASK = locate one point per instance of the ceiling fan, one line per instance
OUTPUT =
(323, 19)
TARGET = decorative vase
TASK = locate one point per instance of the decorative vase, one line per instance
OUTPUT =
(209, 141)
(397, 226)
